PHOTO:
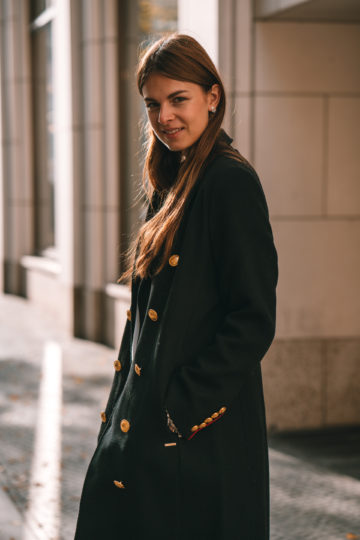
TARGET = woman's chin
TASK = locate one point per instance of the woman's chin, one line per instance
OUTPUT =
(173, 147)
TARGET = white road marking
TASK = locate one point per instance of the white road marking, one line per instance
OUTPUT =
(42, 519)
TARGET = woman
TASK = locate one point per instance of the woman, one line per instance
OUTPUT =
(182, 450)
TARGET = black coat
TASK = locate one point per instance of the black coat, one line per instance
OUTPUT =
(198, 356)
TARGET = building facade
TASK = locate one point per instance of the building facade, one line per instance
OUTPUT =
(70, 169)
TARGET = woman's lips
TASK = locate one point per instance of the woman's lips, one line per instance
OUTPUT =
(172, 133)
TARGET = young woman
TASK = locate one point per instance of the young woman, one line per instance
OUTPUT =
(182, 451)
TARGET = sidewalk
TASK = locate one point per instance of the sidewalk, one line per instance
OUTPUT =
(49, 419)
(27, 340)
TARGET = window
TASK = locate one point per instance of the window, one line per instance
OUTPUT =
(146, 20)
(157, 17)
(42, 12)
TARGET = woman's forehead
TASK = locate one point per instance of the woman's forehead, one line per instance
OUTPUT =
(159, 85)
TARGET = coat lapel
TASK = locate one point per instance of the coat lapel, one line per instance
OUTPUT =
(159, 292)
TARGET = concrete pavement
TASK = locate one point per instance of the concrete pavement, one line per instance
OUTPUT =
(52, 389)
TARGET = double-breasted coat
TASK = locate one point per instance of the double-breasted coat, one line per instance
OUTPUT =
(210, 320)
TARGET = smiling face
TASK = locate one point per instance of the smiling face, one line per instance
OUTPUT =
(178, 111)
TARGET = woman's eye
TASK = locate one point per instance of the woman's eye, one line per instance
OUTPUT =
(151, 105)
(179, 99)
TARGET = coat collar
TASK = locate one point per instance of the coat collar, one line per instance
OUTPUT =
(224, 137)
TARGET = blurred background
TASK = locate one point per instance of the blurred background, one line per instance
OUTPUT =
(70, 202)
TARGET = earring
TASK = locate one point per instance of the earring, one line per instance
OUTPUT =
(213, 109)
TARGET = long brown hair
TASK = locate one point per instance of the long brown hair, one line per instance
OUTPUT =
(182, 58)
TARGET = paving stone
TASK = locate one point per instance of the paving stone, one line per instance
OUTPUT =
(315, 476)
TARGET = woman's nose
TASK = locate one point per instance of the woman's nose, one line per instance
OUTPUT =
(165, 113)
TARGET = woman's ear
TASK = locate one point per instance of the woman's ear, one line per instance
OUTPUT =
(214, 95)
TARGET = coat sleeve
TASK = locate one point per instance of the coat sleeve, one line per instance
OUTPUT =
(245, 261)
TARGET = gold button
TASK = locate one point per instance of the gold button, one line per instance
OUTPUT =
(208, 420)
(194, 428)
(137, 370)
(174, 260)
(119, 484)
(124, 426)
(152, 314)
(103, 416)
(117, 365)
(202, 425)
(215, 415)
(128, 314)
(222, 410)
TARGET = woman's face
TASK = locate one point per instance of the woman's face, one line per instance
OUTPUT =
(178, 111)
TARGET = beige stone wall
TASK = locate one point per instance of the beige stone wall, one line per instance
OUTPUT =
(312, 383)
(306, 149)
(294, 111)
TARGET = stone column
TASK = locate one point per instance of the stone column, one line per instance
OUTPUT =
(16, 162)
(97, 193)
(225, 30)
(236, 67)
(200, 19)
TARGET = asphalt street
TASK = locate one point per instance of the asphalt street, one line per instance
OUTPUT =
(52, 389)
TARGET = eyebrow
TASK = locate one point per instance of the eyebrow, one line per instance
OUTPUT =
(170, 96)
